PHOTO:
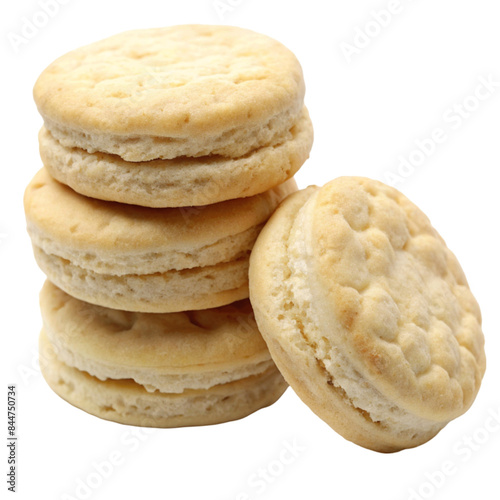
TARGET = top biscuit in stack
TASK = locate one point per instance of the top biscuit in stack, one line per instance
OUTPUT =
(218, 109)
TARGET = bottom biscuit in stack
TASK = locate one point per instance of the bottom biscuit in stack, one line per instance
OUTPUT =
(156, 370)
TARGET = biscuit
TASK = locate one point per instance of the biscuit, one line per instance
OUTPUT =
(161, 370)
(168, 352)
(178, 182)
(191, 90)
(145, 259)
(126, 402)
(367, 313)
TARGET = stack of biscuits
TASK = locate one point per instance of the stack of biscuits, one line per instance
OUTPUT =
(165, 151)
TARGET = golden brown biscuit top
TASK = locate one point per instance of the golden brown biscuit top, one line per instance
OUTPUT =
(397, 296)
(175, 82)
(224, 336)
(86, 223)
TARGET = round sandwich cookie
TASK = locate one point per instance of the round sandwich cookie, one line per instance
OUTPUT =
(145, 259)
(190, 90)
(367, 313)
(156, 370)
(181, 181)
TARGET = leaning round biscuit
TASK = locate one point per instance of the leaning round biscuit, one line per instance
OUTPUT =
(145, 259)
(179, 182)
(190, 90)
(367, 313)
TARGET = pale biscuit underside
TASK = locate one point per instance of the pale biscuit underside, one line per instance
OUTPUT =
(127, 402)
(179, 182)
(171, 291)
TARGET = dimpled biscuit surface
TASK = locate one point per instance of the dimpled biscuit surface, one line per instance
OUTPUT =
(373, 323)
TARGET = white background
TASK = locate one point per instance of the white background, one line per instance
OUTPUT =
(396, 90)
